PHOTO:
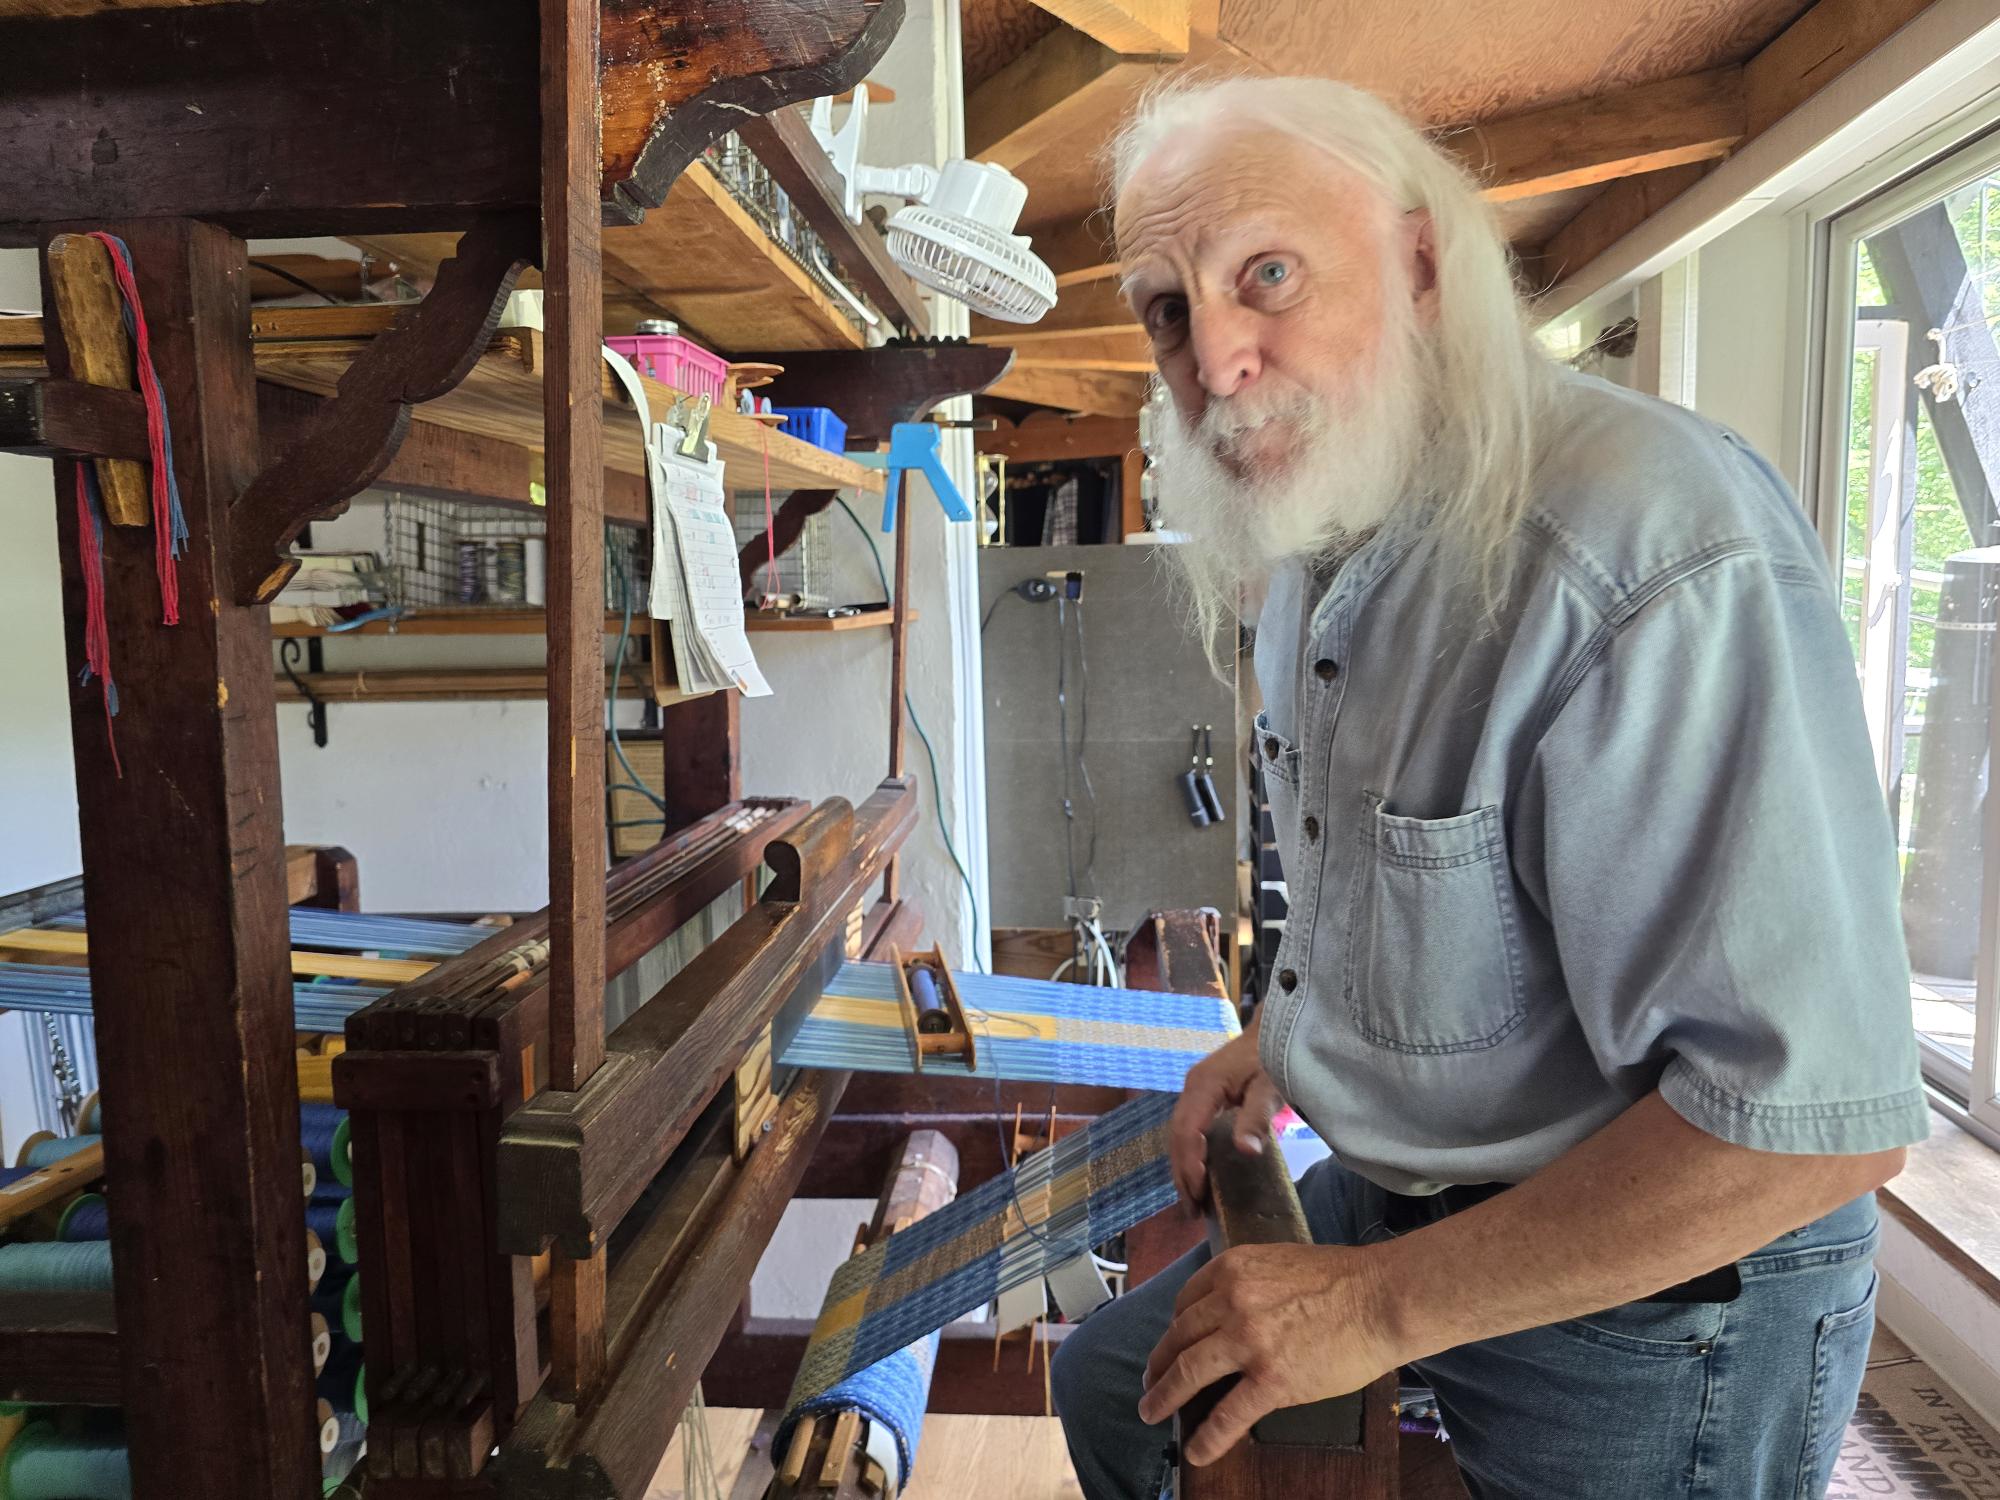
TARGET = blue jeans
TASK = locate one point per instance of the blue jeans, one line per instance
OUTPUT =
(1743, 1400)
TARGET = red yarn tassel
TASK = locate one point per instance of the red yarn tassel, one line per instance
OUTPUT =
(96, 626)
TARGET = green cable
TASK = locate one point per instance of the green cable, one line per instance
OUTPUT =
(930, 751)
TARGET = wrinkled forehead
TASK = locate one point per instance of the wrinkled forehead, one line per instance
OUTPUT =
(1202, 189)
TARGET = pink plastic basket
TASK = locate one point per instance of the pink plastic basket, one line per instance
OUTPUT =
(675, 361)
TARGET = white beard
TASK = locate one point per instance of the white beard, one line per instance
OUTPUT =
(1348, 467)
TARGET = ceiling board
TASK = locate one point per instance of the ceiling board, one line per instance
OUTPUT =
(1448, 62)
(995, 32)
(1530, 221)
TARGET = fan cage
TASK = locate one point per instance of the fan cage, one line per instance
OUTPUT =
(994, 273)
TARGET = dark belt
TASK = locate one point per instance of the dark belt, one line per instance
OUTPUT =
(1402, 1213)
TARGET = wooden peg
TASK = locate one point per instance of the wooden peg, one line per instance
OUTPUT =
(91, 314)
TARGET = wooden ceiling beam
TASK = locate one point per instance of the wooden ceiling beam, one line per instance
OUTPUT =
(1794, 67)
(1062, 89)
(1100, 393)
(1132, 27)
(1630, 131)
(1091, 307)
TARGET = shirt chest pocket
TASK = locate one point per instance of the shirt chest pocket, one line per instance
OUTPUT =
(1432, 955)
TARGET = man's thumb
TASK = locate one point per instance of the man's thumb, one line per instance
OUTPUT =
(1253, 1116)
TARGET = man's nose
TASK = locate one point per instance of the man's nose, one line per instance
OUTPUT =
(1225, 348)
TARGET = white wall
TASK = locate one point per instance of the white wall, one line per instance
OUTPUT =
(1745, 334)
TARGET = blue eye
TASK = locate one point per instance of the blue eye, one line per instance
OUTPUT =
(1272, 272)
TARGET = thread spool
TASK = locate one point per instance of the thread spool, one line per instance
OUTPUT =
(329, 1426)
(932, 1018)
(87, 1122)
(350, 1308)
(322, 1342)
(343, 1153)
(11, 1175)
(45, 1148)
(308, 1173)
(315, 1260)
(54, 1266)
(534, 570)
(346, 1242)
(329, 1301)
(44, 1464)
(335, 1467)
(340, 1383)
(510, 572)
(88, 1217)
(323, 1221)
(471, 573)
(319, 1133)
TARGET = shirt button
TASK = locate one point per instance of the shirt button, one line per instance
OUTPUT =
(1271, 749)
(1312, 828)
(1326, 669)
(1288, 980)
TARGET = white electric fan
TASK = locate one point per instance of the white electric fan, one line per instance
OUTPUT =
(955, 232)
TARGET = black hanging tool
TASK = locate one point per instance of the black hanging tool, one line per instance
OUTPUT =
(288, 653)
(1211, 799)
(1190, 782)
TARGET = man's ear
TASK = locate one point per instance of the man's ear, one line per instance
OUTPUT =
(1419, 231)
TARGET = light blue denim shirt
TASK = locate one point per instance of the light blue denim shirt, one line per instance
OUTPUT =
(1621, 834)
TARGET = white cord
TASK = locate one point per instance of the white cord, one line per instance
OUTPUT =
(1110, 963)
(1063, 968)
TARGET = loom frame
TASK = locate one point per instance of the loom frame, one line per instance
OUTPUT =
(193, 1006)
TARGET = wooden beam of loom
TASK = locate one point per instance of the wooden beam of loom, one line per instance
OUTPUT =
(65, 942)
(1132, 27)
(1607, 219)
(1064, 89)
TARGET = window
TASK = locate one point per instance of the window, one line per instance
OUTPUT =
(1910, 493)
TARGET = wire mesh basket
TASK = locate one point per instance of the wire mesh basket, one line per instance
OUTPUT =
(445, 553)
(802, 567)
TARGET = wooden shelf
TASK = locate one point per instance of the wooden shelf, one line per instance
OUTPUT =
(874, 619)
(702, 259)
(310, 348)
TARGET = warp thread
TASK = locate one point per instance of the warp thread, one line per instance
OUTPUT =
(170, 529)
(44, 1464)
(90, 524)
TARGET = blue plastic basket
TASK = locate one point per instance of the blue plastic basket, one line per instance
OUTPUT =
(816, 425)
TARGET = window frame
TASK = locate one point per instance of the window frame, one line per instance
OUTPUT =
(1835, 236)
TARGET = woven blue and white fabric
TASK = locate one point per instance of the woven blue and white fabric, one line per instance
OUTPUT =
(1028, 1030)
(1010, 1229)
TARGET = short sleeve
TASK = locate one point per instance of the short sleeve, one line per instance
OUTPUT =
(1715, 857)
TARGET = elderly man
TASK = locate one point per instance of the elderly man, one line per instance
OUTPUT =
(1593, 975)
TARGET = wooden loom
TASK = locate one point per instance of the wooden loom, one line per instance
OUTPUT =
(182, 856)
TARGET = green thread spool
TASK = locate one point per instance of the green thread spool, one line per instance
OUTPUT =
(343, 1154)
(48, 1150)
(53, 1266)
(348, 1247)
(350, 1309)
(44, 1464)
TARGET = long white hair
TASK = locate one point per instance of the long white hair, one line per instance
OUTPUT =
(1479, 384)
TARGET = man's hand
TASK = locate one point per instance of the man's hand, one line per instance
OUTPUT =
(1299, 1322)
(1229, 1076)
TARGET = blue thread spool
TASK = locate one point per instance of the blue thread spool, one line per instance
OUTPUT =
(337, 1465)
(338, 1299)
(932, 1018)
(322, 1341)
(315, 1261)
(323, 1219)
(341, 1383)
(318, 1125)
(11, 1175)
(53, 1266)
(52, 1149)
(88, 1217)
(44, 1464)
